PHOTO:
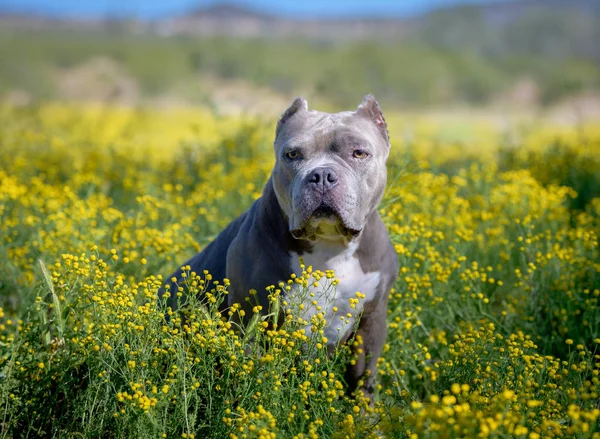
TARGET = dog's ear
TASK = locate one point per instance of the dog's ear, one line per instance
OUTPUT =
(370, 109)
(298, 105)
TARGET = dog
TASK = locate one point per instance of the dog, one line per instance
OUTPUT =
(318, 207)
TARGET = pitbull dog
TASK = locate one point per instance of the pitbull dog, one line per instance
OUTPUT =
(320, 204)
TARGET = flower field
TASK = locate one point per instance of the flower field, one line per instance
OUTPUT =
(493, 323)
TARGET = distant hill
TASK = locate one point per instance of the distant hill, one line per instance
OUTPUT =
(519, 26)
(525, 52)
(233, 20)
(552, 26)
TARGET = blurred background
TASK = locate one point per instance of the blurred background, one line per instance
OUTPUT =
(537, 56)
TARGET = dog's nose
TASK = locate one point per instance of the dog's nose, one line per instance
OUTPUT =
(323, 178)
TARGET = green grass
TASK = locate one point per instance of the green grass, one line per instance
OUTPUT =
(405, 73)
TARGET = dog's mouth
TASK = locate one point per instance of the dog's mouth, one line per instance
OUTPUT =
(324, 222)
(325, 213)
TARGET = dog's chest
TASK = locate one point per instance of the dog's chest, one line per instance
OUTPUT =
(339, 304)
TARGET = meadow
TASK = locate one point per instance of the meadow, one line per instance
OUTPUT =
(493, 323)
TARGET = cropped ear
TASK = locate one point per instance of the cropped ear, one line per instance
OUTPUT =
(370, 109)
(298, 105)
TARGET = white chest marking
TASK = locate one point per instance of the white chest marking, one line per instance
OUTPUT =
(338, 303)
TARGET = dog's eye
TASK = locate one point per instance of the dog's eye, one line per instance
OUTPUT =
(360, 154)
(292, 155)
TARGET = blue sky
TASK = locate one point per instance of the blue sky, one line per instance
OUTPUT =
(159, 8)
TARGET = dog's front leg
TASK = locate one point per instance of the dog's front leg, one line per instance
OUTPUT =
(371, 333)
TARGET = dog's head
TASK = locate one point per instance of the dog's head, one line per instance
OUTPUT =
(330, 172)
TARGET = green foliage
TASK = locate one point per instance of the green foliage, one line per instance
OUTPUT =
(453, 57)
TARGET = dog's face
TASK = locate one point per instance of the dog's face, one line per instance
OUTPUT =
(330, 169)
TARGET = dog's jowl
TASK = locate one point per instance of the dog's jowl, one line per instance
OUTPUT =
(320, 207)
